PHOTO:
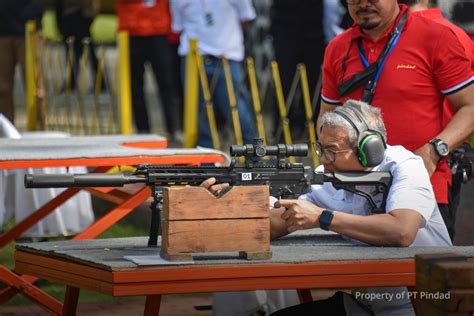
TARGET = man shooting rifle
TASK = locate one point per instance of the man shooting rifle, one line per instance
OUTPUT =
(353, 139)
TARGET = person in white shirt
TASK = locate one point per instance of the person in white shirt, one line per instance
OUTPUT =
(352, 138)
(218, 27)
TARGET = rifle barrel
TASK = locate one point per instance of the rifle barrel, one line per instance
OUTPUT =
(80, 180)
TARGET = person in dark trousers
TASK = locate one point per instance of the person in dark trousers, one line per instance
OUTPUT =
(218, 26)
(13, 17)
(149, 24)
(74, 18)
(298, 37)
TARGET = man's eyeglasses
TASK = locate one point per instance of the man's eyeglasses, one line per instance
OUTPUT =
(327, 153)
(358, 1)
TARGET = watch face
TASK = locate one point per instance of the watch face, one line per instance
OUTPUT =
(443, 149)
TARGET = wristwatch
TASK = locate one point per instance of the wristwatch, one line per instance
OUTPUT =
(442, 149)
(325, 219)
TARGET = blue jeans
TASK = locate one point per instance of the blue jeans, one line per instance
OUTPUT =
(220, 101)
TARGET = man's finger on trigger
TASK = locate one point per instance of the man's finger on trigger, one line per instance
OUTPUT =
(208, 182)
(285, 203)
(221, 186)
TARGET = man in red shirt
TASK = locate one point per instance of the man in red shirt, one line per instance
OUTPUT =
(421, 8)
(423, 63)
(148, 23)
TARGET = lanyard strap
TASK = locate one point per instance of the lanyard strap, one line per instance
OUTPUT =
(371, 85)
(370, 75)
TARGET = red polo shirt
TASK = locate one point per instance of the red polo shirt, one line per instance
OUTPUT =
(436, 16)
(142, 19)
(427, 63)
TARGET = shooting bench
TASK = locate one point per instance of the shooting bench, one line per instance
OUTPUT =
(102, 153)
(302, 260)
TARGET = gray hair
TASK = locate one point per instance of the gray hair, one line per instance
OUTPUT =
(372, 116)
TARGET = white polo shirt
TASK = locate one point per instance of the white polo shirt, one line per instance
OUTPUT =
(216, 24)
(410, 189)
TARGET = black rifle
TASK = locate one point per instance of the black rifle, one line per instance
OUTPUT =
(285, 180)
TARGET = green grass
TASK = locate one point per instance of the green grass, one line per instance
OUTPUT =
(57, 290)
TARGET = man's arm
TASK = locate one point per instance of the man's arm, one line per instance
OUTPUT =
(246, 13)
(459, 128)
(397, 228)
(246, 25)
(462, 124)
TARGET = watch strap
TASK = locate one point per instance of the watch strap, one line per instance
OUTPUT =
(435, 142)
(325, 219)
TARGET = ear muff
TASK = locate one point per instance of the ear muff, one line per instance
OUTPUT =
(371, 150)
(370, 143)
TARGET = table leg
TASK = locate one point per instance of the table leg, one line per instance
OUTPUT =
(70, 301)
(35, 217)
(22, 285)
(304, 295)
(115, 215)
(40, 213)
(152, 305)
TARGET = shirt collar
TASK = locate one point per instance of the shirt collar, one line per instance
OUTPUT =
(432, 14)
(357, 32)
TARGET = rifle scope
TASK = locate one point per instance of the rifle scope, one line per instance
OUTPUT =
(259, 150)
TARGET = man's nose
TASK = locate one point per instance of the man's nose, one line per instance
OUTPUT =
(323, 160)
(364, 3)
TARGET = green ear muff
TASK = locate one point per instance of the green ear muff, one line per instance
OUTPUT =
(371, 150)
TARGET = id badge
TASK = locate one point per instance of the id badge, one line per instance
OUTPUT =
(209, 19)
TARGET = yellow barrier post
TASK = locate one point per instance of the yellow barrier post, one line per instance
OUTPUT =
(290, 99)
(208, 102)
(30, 71)
(111, 126)
(69, 76)
(191, 95)
(80, 113)
(125, 83)
(281, 106)
(57, 75)
(232, 102)
(308, 111)
(40, 93)
(95, 126)
(256, 99)
(48, 85)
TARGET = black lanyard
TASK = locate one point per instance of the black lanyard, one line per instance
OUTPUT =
(372, 72)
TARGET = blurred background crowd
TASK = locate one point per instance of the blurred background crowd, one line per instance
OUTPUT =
(285, 31)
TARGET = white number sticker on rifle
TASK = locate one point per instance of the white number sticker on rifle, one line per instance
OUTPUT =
(247, 176)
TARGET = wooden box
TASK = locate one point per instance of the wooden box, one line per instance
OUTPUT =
(196, 221)
(444, 285)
